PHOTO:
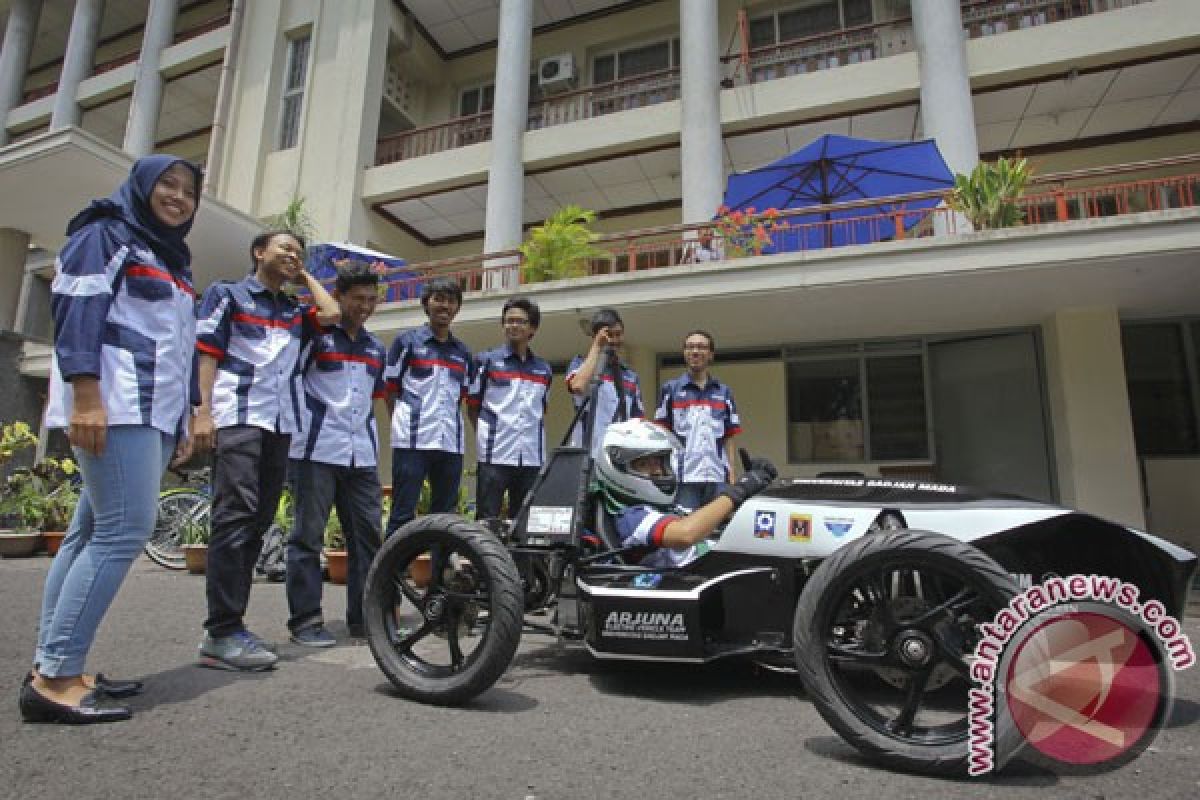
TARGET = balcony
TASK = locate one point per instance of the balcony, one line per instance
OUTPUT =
(1060, 199)
(588, 103)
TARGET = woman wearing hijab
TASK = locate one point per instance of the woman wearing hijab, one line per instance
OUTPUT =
(124, 325)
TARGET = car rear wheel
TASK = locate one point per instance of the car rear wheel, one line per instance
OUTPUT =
(884, 632)
(443, 609)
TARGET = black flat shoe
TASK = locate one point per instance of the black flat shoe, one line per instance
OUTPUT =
(116, 689)
(37, 708)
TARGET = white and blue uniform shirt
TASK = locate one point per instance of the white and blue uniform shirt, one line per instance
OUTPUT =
(510, 394)
(606, 402)
(429, 380)
(122, 315)
(256, 336)
(704, 418)
(644, 526)
(342, 377)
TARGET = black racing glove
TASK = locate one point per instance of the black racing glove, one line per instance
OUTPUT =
(750, 484)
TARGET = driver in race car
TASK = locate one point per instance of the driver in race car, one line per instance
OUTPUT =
(635, 480)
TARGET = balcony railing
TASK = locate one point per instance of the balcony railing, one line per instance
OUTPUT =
(1051, 201)
(990, 17)
(128, 58)
(593, 101)
(823, 51)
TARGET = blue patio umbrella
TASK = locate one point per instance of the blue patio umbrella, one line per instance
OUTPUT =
(838, 169)
(321, 261)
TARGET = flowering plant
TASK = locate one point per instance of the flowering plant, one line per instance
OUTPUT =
(745, 232)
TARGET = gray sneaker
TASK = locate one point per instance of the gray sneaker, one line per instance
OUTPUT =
(314, 636)
(263, 643)
(239, 651)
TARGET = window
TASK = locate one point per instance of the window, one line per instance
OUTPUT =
(858, 403)
(293, 91)
(812, 19)
(476, 100)
(633, 61)
(1161, 372)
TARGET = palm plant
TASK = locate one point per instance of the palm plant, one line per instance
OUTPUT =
(989, 196)
(561, 247)
(294, 218)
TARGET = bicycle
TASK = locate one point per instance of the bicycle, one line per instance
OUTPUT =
(176, 506)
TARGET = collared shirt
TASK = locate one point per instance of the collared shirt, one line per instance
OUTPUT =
(510, 393)
(429, 379)
(644, 526)
(341, 378)
(704, 418)
(124, 316)
(606, 402)
(256, 336)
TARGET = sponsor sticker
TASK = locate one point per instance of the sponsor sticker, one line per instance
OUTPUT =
(800, 528)
(764, 525)
(645, 625)
(838, 526)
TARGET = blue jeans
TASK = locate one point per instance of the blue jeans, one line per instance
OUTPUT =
(355, 493)
(113, 519)
(694, 495)
(409, 470)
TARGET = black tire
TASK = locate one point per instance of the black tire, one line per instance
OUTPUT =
(473, 595)
(882, 628)
(174, 508)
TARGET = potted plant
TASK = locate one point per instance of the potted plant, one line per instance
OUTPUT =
(335, 549)
(990, 196)
(20, 498)
(193, 538)
(59, 504)
(561, 247)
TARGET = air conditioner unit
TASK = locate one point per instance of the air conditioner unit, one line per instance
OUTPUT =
(556, 73)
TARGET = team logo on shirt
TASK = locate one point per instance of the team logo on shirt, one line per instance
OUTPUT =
(764, 525)
(838, 526)
(800, 528)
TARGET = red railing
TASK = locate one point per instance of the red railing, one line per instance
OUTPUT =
(594, 101)
(670, 246)
(826, 50)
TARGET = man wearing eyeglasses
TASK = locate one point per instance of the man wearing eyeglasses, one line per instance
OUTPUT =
(700, 410)
(506, 403)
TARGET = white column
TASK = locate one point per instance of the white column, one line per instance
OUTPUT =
(506, 177)
(700, 99)
(14, 57)
(77, 63)
(946, 111)
(1089, 406)
(14, 248)
(148, 80)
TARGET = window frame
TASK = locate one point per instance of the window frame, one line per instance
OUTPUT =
(774, 13)
(286, 138)
(862, 352)
(671, 40)
(1189, 336)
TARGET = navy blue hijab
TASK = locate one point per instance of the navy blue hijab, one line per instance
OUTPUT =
(128, 208)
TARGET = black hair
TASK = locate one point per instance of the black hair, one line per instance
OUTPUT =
(440, 285)
(525, 304)
(264, 239)
(712, 343)
(605, 318)
(355, 273)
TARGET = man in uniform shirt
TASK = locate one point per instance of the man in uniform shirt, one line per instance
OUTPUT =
(507, 406)
(427, 374)
(334, 459)
(248, 338)
(608, 336)
(700, 411)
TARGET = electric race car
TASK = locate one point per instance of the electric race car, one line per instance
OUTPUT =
(872, 590)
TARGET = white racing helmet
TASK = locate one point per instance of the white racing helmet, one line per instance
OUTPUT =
(626, 442)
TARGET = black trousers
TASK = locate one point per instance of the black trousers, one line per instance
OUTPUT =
(494, 481)
(248, 476)
(356, 494)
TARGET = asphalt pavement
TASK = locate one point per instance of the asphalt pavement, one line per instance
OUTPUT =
(559, 724)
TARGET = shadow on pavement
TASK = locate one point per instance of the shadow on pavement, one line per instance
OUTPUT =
(185, 683)
(496, 700)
